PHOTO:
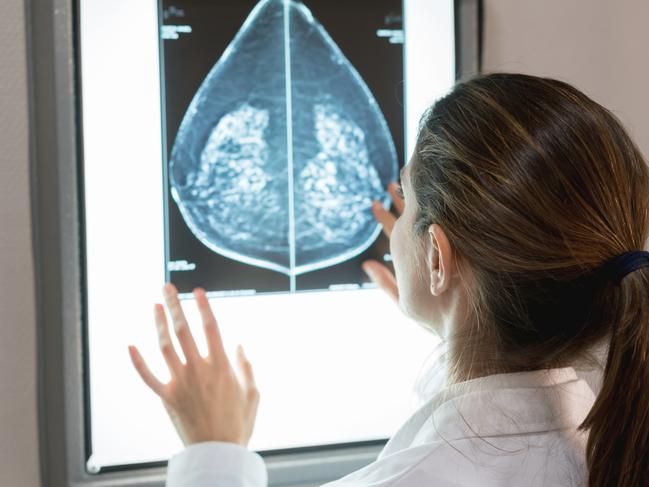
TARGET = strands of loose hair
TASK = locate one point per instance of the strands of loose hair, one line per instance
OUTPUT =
(536, 186)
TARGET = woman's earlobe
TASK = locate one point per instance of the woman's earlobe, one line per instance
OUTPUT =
(440, 258)
(434, 281)
(433, 286)
(433, 264)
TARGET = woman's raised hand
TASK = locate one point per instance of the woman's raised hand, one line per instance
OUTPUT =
(378, 272)
(204, 398)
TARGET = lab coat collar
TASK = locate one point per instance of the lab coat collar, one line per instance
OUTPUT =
(509, 404)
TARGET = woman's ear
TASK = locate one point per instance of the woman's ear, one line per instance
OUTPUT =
(439, 260)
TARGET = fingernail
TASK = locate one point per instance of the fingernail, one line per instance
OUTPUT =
(169, 289)
(368, 271)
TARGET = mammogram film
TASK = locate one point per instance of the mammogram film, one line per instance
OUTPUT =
(283, 148)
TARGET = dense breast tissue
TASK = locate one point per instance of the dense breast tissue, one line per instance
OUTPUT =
(283, 148)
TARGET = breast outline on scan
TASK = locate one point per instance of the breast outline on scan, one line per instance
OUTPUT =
(283, 148)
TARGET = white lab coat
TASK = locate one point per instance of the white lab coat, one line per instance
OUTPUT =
(514, 429)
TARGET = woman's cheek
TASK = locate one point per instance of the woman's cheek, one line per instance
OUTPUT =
(395, 243)
(412, 288)
(401, 263)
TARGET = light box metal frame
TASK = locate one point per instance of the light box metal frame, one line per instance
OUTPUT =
(56, 175)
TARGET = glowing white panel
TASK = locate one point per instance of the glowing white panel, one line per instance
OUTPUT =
(332, 367)
(429, 58)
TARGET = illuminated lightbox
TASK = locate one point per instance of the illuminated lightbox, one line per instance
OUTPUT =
(237, 146)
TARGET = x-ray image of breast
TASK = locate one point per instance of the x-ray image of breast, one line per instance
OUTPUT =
(283, 148)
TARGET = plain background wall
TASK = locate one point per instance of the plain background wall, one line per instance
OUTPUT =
(18, 428)
(598, 45)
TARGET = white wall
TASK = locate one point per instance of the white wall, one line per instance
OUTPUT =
(598, 45)
(18, 428)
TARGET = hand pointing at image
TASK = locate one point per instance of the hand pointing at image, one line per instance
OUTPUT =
(378, 272)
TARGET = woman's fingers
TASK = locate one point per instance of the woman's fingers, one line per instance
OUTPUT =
(214, 342)
(397, 200)
(383, 277)
(379, 273)
(246, 368)
(384, 217)
(252, 393)
(144, 372)
(164, 340)
(181, 327)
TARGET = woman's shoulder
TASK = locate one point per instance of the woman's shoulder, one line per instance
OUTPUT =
(507, 429)
(540, 459)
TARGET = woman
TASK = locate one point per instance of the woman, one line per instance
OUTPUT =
(525, 212)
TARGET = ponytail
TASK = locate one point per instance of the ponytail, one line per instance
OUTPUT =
(536, 185)
(617, 452)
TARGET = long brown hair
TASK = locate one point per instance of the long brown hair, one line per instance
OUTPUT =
(537, 186)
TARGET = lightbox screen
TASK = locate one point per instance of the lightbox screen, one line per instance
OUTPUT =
(281, 130)
(237, 146)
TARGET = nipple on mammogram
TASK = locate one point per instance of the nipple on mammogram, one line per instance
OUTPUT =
(283, 148)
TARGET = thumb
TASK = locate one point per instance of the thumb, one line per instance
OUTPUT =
(383, 277)
(246, 369)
